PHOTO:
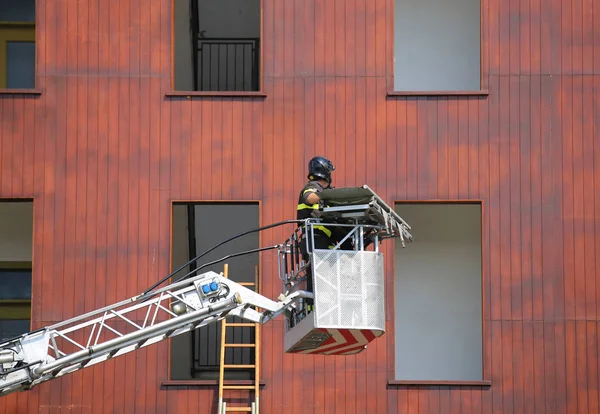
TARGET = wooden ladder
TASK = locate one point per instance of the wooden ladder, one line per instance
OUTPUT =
(253, 408)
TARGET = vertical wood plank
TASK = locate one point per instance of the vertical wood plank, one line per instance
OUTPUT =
(591, 349)
(410, 151)
(442, 149)
(370, 40)
(300, 34)
(508, 380)
(413, 402)
(497, 376)
(423, 151)
(546, 50)
(350, 10)
(288, 38)
(539, 385)
(359, 160)
(567, 332)
(581, 378)
(536, 203)
(589, 183)
(515, 41)
(551, 332)
(462, 145)
(514, 185)
(526, 153)
(529, 378)
(309, 49)
(368, 141)
(518, 367)
(551, 170)
(320, 21)
(216, 148)
(380, 26)
(360, 37)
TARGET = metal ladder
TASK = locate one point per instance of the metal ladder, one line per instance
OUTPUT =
(254, 406)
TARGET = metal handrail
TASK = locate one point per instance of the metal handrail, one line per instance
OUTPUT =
(241, 61)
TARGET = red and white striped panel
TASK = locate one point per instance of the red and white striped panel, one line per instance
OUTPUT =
(343, 341)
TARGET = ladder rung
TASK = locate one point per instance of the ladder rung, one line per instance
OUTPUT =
(240, 345)
(239, 387)
(240, 324)
(239, 366)
(239, 409)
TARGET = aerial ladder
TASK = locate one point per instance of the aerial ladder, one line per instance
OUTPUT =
(348, 297)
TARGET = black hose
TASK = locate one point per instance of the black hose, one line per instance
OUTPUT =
(225, 258)
(169, 276)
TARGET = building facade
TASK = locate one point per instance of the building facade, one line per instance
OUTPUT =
(135, 134)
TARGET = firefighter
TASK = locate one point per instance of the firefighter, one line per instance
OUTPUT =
(319, 176)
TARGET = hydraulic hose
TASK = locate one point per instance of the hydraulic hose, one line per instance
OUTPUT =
(170, 275)
(227, 257)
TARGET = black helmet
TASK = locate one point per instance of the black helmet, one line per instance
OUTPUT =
(320, 168)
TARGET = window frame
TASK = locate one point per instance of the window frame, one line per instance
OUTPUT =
(19, 309)
(13, 32)
(173, 93)
(209, 383)
(483, 66)
(485, 382)
(31, 28)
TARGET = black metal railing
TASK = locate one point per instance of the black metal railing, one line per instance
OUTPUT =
(227, 64)
(206, 352)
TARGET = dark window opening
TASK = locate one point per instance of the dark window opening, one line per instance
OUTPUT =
(196, 228)
(16, 238)
(217, 45)
(17, 44)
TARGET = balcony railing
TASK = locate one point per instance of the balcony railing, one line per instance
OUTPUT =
(206, 354)
(227, 64)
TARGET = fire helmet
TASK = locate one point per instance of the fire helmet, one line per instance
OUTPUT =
(320, 168)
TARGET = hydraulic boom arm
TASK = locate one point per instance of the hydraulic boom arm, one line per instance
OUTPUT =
(126, 326)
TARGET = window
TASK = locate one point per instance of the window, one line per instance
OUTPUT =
(16, 237)
(198, 227)
(217, 45)
(437, 45)
(17, 44)
(438, 294)
(15, 298)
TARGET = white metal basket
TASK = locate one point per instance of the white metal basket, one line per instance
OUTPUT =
(349, 289)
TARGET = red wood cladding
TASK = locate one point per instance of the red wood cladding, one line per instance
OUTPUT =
(104, 152)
